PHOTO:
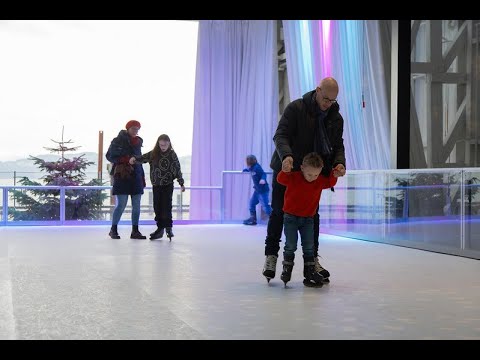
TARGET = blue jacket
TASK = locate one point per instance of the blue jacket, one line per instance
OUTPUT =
(257, 174)
(119, 152)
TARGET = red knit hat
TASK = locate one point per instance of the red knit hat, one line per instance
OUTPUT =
(133, 123)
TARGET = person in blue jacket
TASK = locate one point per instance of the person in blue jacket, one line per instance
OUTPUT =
(261, 189)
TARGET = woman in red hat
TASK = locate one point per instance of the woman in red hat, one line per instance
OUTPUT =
(128, 176)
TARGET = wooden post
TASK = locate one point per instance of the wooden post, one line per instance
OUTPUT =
(100, 155)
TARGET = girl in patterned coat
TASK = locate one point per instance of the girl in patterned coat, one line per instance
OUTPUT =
(164, 169)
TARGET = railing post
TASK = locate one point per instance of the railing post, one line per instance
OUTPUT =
(14, 183)
(405, 203)
(62, 205)
(222, 200)
(5, 206)
(179, 206)
(448, 201)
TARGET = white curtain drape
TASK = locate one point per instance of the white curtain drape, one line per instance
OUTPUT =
(348, 50)
(235, 112)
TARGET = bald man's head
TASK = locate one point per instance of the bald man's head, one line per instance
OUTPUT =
(329, 84)
(326, 93)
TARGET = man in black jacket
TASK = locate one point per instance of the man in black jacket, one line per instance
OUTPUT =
(312, 123)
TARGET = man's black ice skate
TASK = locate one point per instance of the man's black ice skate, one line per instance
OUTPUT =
(114, 233)
(287, 269)
(269, 267)
(320, 269)
(169, 233)
(157, 234)
(312, 278)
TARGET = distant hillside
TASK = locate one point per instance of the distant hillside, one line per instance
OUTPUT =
(26, 167)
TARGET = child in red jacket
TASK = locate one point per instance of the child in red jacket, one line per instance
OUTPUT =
(302, 197)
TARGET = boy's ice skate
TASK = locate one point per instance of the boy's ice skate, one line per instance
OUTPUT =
(287, 269)
(312, 278)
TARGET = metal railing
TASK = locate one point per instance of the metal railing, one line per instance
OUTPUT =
(179, 207)
(430, 209)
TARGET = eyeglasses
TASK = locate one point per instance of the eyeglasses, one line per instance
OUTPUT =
(326, 99)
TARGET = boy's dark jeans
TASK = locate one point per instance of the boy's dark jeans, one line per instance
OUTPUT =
(292, 225)
(275, 222)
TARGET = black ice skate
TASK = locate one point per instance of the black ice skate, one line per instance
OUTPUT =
(114, 233)
(169, 233)
(136, 234)
(312, 278)
(157, 234)
(252, 220)
(320, 269)
(287, 269)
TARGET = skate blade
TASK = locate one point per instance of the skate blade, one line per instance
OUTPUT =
(312, 284)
